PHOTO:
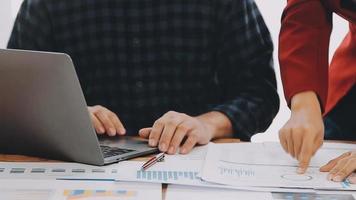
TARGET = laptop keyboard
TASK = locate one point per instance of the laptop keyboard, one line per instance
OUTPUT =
(114, 151)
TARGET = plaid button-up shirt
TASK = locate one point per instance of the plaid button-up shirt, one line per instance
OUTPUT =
(142, 58)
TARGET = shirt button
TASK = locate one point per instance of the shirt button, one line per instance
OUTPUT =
(136, 42)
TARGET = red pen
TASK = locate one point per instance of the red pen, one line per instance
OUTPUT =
(152, 161)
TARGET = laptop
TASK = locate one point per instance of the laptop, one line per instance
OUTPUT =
(43, 112)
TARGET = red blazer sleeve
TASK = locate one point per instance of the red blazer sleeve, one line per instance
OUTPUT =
(304, 48)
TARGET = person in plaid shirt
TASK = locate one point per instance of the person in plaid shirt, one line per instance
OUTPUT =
(179, 72)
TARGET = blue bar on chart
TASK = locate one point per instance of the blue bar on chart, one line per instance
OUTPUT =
(166, 175)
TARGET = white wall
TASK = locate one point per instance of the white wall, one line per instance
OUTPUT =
(5, 21)
(272, 14)
(15, 5)
(8, 12)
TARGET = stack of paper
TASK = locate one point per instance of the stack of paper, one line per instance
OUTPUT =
(215, 171)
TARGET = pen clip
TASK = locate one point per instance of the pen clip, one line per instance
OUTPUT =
(161, 159)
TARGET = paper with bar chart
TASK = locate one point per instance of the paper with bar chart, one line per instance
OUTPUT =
(176, 169)
(267, 165)
(77, 190)
(166, 172)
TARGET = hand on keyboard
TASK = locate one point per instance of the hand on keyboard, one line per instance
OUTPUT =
(105, 121)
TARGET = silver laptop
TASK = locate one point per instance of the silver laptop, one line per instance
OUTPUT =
(43, 112)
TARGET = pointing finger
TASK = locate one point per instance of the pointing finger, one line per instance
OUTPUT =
(305, 157)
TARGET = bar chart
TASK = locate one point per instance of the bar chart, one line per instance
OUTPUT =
(166, 176)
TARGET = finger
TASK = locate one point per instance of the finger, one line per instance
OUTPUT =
(156, 132)
(297, 143)
(145, 132)
(283, 140)
(348, 168)
(182, 130)
(106, 122)
(305, 156)
(318, 144)
(167, 133)
(189, 144)
(117, 124)
(331, 164)
(338, 167)
(352, 178)
(97, 124)
(290, 143)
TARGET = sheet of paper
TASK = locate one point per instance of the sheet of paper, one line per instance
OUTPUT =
(39, 170)
(342, 194)
(265, 165)
(176, 192)
(271, 153)
(198, 153)
(183, 172)
(312, 196)
(175, 170)
(197, 156)
(75, 190)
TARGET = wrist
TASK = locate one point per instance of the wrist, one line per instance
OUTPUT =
(217, 124)
(305, 100)
(209, 128)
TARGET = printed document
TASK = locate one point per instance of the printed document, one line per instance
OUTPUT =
(267, 165)
(77, 190)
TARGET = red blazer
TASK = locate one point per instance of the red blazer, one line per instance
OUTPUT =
(304, 48)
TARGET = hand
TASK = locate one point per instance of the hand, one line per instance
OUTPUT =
(303, 134)
(171, 129)
(341, 167)
(105, 121)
